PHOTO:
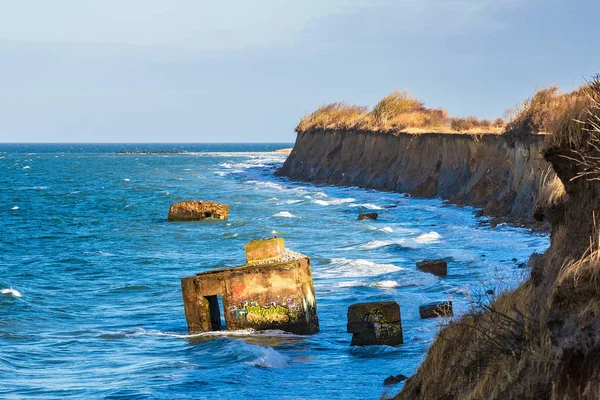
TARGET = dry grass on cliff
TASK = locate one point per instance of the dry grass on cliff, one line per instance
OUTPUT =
(397, 112)
(551, 191)
(487, 353)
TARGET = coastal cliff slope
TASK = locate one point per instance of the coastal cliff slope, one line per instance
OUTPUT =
(500, 173)
(541, 340)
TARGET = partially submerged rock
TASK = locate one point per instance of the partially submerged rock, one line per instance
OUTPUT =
(371, 216)
(192, 210)
(435, 267)
(375, 323)
(392, 380)
(436, 309)
(276, 292)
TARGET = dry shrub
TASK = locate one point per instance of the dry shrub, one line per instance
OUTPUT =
(552, 190)
(396, 112)
(576, 122)
(577, 287)
(470, 123)
(395, 104)
(334, 116)
(493, 350)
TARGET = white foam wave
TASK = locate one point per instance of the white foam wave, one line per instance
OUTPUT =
(284, 214)
(26, 167)
(126, 179)
(291, 202)
(368, 206)
(11, 291)
(386, 229)
(269, 358)
(430, 237)
(344, 268)
(333, 201)
(385, 284)
(15, 208)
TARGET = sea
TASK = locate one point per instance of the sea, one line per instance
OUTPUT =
(90, 269)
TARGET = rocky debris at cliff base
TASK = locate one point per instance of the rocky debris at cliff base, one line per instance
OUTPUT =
(436, 309)
(533, 259)
(435, 267)
(371, 216)
(392, 380)
(192, 210)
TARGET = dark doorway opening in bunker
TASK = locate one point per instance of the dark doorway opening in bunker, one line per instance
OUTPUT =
(217, 314)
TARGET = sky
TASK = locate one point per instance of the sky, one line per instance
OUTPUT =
(246, 71)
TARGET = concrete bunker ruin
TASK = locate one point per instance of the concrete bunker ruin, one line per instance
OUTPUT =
(274, 290)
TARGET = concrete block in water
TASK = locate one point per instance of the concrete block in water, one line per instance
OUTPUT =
(375, 323)
(276, 294)
(436, 309)
(435, 267)
(265, 250)
(192, 210)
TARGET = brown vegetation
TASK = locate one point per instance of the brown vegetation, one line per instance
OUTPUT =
(541, 340)
(397, 112)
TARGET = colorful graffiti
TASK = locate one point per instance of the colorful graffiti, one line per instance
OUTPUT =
(383, 329)
(274, 313)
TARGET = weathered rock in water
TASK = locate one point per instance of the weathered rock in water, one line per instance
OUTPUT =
(367, 216)
(392, 380)
(436, 309)
(435, 267)
(375, 323)
(270, 294)
(192, 210)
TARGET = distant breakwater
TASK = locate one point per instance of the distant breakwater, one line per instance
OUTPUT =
(499, 173)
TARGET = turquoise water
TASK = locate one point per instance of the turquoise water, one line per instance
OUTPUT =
(90, 297)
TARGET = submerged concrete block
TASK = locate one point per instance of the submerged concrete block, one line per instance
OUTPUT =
(435, 267)
(375, 323)
(192, 210)
(371, 216)
(277, 294)
(260, 251)
(436, 309)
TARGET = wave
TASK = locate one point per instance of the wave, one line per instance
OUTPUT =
(333, 201)
(15, 208)
(430, 237)
(386, 229)
(98, 253)
(26, 167)
(127, 180)
(368, 206)
(269, 358)
(290, 202)
(11, 291)
(32, 187)
(284, 214)
(344, 268)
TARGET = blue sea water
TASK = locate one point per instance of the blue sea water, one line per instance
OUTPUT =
(90, 297)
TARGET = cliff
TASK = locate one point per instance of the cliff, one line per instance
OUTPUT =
(541, 340)
(499, 173)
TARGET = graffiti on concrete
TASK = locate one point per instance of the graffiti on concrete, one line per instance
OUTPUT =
(254, 313)
(383, 329)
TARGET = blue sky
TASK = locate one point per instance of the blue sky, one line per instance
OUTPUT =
(241, 71)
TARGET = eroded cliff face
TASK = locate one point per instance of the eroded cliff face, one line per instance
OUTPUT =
(500, 174)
